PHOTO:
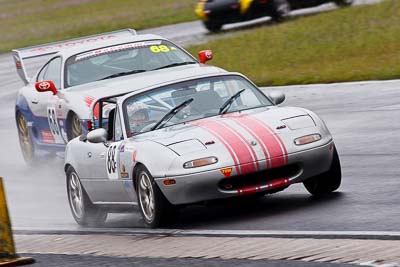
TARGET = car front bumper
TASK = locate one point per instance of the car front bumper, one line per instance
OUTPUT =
(197, 187)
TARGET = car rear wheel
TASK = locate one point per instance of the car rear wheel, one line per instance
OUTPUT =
(343, 3)
(83, 210)
(25, 140)
(213, 26)
(280, 10)
(327, 182)
(154, 207)
(74, 127)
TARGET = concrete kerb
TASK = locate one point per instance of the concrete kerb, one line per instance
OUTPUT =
(362, 235)
(8, 255)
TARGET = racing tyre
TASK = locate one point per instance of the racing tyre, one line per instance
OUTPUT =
(154, 207)
(343, 3)
(213, 26)
(83, 210)
(327, 182)
(280, 10)
(25, 140)
(74, 127)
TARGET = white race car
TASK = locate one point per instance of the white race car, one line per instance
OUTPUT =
(53, 106)
(188, 135)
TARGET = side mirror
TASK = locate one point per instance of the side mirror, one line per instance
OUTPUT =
(205, 55)
(277, 97)
(97, 136)
(46, 86)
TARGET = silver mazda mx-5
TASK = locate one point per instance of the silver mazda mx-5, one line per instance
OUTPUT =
(189, 134)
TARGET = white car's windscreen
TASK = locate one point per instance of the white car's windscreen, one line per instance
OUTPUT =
(123, 59)
(206, 96)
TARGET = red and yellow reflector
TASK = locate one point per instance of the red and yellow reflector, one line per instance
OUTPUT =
(307, 139)
(200, 162)
(226, 172)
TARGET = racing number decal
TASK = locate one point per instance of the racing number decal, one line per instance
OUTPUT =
(161, 48)
(51, 114)
(53, 124)
(112, 161)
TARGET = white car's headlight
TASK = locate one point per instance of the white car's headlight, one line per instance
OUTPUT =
(307, 139)
(200, 162)
(299, 122)
(187, 146)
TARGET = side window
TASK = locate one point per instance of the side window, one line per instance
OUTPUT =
(118, 134)
(52, 72)
(41, 74)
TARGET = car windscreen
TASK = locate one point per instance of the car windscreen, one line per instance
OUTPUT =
(123, 59)
(144, 111)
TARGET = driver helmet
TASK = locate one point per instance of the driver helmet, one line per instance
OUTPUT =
(138, 115)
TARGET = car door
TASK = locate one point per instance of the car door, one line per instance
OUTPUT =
(46, 102)
(103, 180)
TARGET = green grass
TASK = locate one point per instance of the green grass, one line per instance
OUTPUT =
(357, 43)
(30, 22)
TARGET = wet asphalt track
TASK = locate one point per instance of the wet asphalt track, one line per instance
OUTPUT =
(363, 117)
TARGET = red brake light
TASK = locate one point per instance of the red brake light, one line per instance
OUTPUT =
(89, 125)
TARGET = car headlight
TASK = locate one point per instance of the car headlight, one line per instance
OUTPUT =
(188, 146)
(299, 122)
(307, 139)
(200, 162)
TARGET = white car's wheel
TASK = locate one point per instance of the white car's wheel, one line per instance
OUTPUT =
(83, 210)
(25, 141)
(327, 182)
(74, 127)
(154, 207)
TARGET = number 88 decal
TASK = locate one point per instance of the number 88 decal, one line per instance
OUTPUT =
(112, 161)
(55, 130)
(161, 48)
(53, 125)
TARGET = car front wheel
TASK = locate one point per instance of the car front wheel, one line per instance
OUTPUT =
(83, 210)
(326, 182)
(213, 26)
(154, 207)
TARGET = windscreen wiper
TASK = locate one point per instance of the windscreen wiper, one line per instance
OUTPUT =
(225, 107)
(176, 64)
(171, 114)
(119, 74)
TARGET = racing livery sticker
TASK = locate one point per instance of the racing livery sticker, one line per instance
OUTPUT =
(226, 172)
(273, 147)
(116, 48)
(112, 159)
(47, 137)
(43, 49)
(54, 126)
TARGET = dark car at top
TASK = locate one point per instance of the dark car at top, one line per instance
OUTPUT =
(216, 13)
